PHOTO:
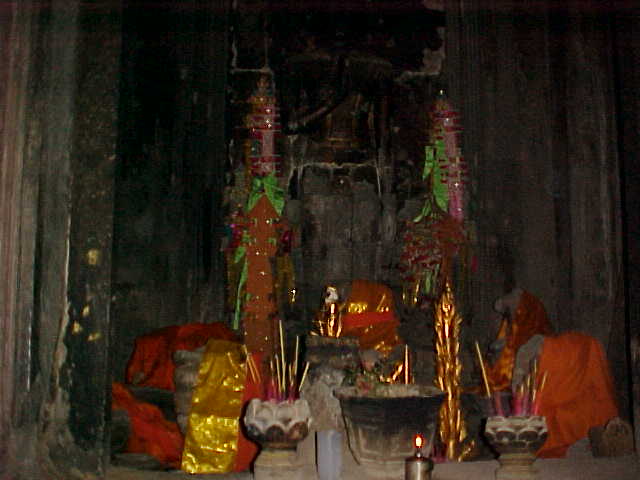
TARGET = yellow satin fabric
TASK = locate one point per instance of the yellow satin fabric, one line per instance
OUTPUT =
(211, 442)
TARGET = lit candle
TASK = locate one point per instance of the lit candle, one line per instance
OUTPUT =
(418, 467)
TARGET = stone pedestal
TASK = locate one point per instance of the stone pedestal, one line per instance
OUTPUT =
(516, 466)
(516, 439)
(280, 464)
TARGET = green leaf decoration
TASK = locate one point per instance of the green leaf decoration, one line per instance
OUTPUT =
(267, 186)
(429, 161)
(240, 253)
(425, 212)
(241, 282)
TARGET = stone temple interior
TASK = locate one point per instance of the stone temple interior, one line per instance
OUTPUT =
(137, 176)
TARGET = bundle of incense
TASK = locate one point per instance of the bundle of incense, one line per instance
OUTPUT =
(526, 395)
(284, 383)
(517, 407)
(535, 409)
(497, 404)
(251, 367)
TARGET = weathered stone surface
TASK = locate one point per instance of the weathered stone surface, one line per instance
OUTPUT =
(613, 439)
(327, 414)
(279, 464)
(185, 377)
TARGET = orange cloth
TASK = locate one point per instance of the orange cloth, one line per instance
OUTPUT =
(151, 364)
(530, 319)
(579, 391)
(150, 432)
(375, 331)
(366, 296)
(368, 315)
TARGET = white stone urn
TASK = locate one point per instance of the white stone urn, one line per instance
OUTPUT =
(516, 440)
(278, 425)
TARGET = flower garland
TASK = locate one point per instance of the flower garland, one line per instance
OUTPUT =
(433, 239)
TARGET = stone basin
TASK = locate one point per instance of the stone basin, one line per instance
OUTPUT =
(381, 429)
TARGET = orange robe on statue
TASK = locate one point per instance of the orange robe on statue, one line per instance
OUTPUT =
(368, 315)
(579, 392)
(529, 319)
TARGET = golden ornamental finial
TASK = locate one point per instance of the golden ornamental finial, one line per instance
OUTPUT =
(451, 426)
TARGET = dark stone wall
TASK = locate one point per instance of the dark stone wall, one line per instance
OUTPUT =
(65, 138)
(13, 80)
(536, 86)
(85, 371)
(170, 175)
(626, 24)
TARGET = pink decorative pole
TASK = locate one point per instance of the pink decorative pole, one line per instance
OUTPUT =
(264, 129)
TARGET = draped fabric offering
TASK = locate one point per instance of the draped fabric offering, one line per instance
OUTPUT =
(214, 442)
(150, 433)
(368, 315)
(579, 393)
(529, 319)
(151, 364)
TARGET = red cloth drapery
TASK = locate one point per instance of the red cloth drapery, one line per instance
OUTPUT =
(150, 433)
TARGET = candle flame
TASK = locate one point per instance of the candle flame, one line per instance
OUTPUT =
(418, 441)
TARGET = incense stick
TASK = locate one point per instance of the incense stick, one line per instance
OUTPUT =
(406, 364)
(304, 376)
(253, 369)
(282, 346)
(484, 372)
(295, 357)
(542, 382)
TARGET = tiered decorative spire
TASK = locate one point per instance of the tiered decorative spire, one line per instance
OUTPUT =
(452, 428)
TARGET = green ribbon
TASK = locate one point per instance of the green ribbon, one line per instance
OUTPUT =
(240, 256)
(440, 192)
(268, 186)
(429, 159)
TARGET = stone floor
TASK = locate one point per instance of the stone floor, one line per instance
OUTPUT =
(575, 468)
